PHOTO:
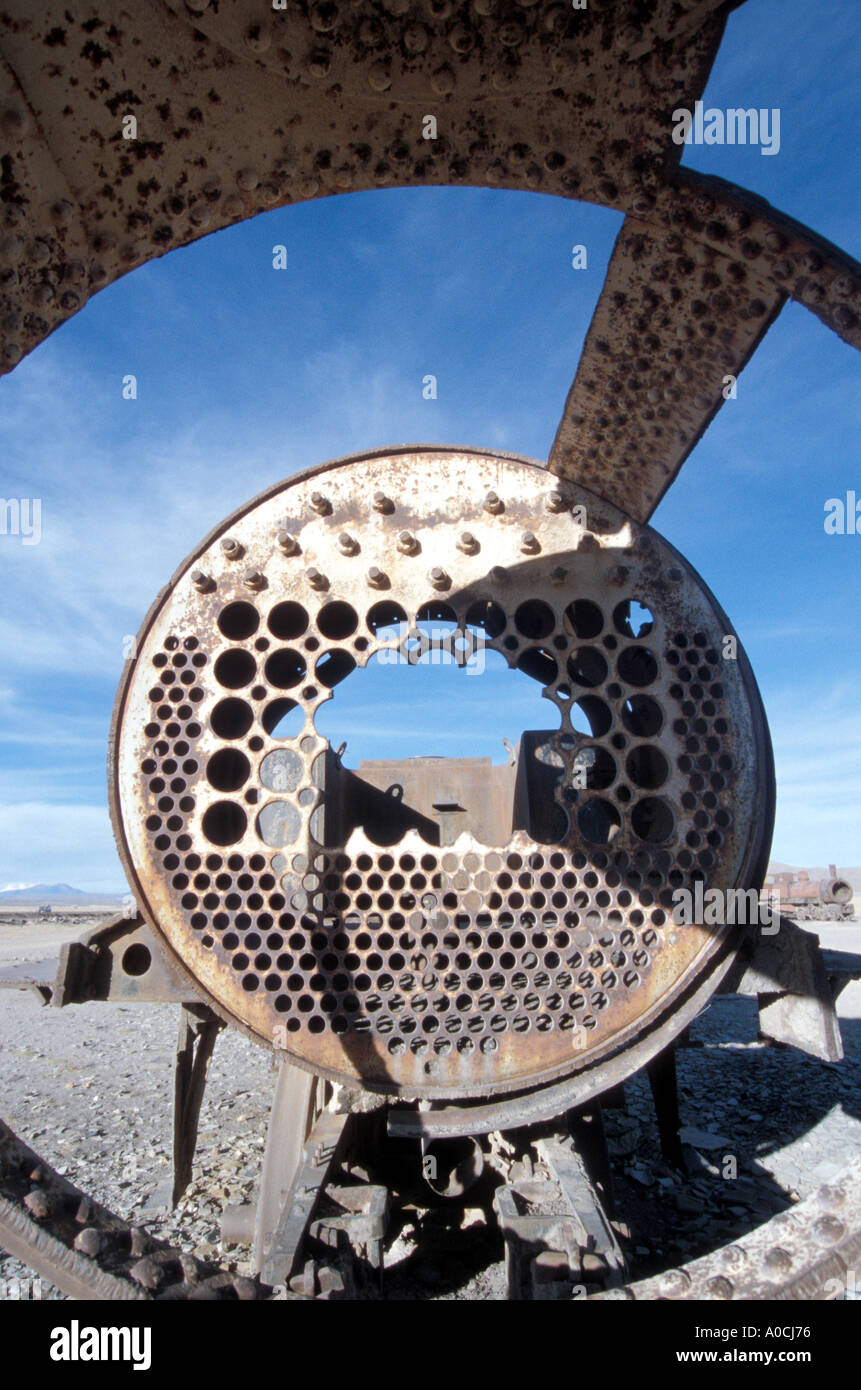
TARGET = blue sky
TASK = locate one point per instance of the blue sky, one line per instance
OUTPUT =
(246, 374)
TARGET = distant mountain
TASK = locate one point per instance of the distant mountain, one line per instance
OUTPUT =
(56, 894)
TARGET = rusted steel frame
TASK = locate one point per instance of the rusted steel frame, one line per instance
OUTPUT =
(663, 1081)
(296, 1105)
(810, 1252)
(198, 1031)
(87, 1250)
(566, 1163)
(788, 976)
(119, 960)
(321, 1153)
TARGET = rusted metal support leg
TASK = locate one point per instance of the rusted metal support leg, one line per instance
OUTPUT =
(322, 1151)
(198, 1029)
(662, 1079)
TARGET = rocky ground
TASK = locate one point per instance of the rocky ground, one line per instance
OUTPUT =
(90, 1088)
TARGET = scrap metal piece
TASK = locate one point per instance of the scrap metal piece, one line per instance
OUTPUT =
(788, 976)
(296, 1106)
(198, 1031)
(321, 1153)
(585, 1201)
(809, 1252)
(120, 960)
(654, 369)
(558, 1238)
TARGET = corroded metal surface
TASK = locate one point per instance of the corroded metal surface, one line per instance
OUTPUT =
(87, 1250)
(461, 969)
(240, 108)
(810, 1252)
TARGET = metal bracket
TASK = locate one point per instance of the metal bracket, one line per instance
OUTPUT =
(321, 1151)
(551, 1254)
(795, 988)
(198, 1029)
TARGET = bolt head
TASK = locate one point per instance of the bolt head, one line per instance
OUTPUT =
(438, 578)
(492, 503)
(231, 547)
(377, 578)
(555, 502)
(316, 579)
(407, 543)
(201, 582)
(467, 543)
(558, 575)
(382, 503)
(529, 543)
(320, 504)
(254, 580)
(287, 543)
(347, 544)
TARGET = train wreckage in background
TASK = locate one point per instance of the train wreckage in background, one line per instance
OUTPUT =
(422, 973)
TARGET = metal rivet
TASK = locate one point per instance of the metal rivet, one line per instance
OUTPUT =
(675, 1282)
(558, 575)
(232, 548)
(408, 544)
(438, 578)
(316, 579)
(287, 543)
(499, 573)
(529, 543)
(382, 503)
(492, 504)
(377, 578)
(719, 1287)
(254, 580)
(320, 504)
(468, 543)
(201, 581)
(347, 544)
(555, 502)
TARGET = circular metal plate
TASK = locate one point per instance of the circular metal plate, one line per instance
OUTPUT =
(459, 969)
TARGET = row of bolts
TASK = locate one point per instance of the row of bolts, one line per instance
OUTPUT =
(407, 544)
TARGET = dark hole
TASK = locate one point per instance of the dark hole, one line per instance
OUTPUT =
(647, 767)
(538, 664)
(137, 959)
(586, 619)
(227, 770)
(238, 621)
(285, 668)
(384, 615)
(337, 621)
(587, 666)
(235, 668)
(534, 619)
(488, 616)
(598, 821)
(232, 718)
(224, 823)
(637, 666)
(288, 620)
(652, 819)
(642, 716)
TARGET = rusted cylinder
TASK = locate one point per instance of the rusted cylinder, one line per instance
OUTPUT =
(450, 1167)
(835, 890)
